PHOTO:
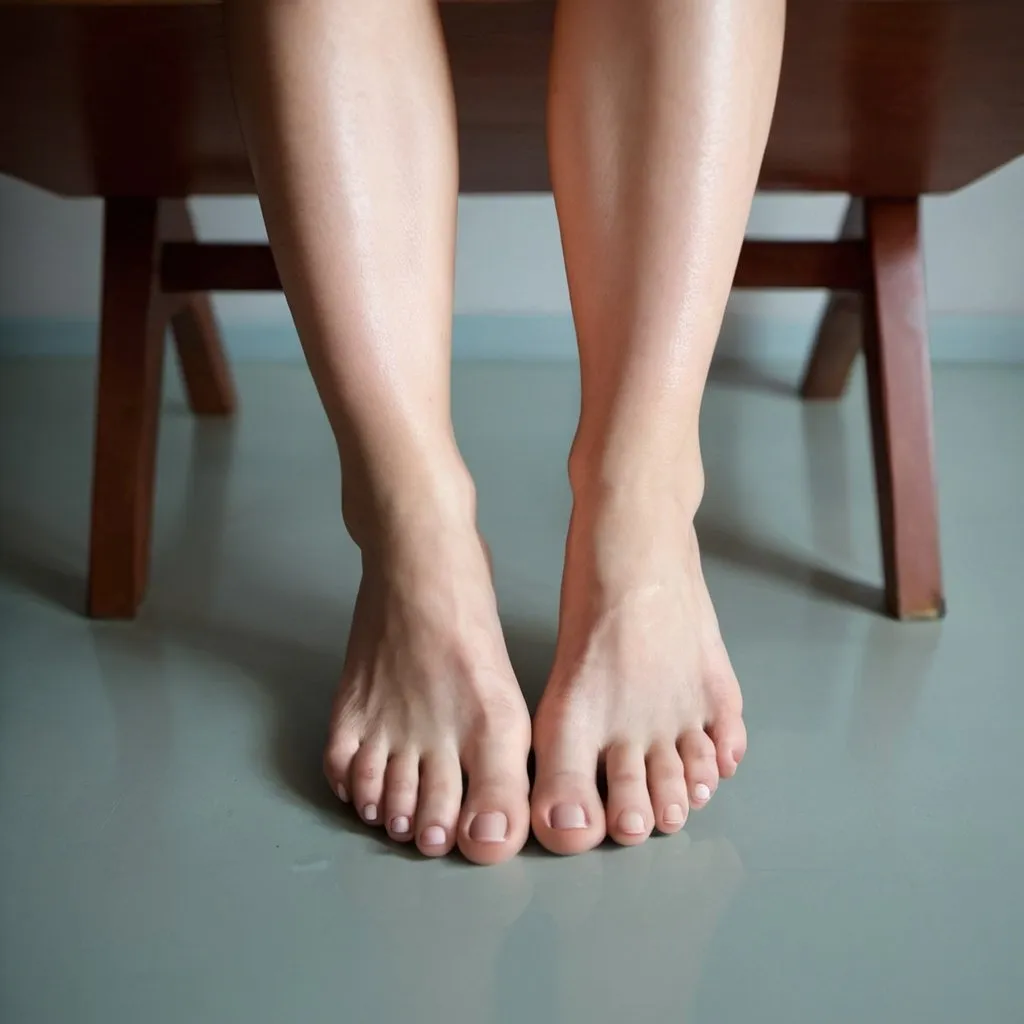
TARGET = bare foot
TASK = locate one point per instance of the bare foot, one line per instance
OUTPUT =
(642, 685)
(428, 696)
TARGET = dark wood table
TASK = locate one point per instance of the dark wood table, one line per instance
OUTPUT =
(886, 100)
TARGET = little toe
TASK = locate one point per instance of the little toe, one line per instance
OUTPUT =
(341, 748)
(401, 782)
(630, 815)
(495, 818)
(565, 807)
(667, 785)
(700, 764)
(366, 782)
(729, 735)
(437, 810)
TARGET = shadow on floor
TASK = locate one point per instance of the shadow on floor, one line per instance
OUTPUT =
(828, 487)
(757, 557)
(743, 376)
(58, 585)
(45, 566)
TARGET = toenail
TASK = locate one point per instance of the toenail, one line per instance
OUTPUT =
(400, 825)
(674, 815)
(568, 816)
(489, 827)
(433, 836)
(701, 792)
(632, 823)
(370, 812)
(342, 793)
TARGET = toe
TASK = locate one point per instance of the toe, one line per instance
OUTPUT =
(496, 815)
(401, 781)
(565, 807)
(700, 765)
(341, 748)
(366, 782)
(729, 735)
(667, 785)
(630, 815)
(437, 810)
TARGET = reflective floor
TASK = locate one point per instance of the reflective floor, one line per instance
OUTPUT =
(170, 853)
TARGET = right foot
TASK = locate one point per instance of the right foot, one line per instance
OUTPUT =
(641, 683)
(428, 696)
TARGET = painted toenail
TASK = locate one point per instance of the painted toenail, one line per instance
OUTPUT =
(701, 792)
(489, 827)
(342, 793)
(433, 836)
(400, 825)
(674, 815)
(568, 816)
(370, 812)
(632, 823)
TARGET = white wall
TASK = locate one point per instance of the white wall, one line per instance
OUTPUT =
(509, 259)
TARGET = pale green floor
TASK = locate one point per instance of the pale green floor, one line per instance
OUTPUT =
(170, 853)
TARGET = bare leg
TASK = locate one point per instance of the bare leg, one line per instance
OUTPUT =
(659, 114)
(349, 117)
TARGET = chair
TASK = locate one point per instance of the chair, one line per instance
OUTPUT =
(883, 99)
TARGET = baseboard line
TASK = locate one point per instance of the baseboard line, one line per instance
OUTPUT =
(955, 338)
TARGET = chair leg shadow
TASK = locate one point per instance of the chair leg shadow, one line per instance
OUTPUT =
(787, 567)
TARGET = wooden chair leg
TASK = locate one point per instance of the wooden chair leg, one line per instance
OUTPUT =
(208, 383)
(900, 395)
(133, 321)
(841, 329)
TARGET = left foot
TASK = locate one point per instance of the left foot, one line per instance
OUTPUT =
(641, 684)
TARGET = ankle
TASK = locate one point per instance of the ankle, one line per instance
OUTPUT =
(420, 502)
(644, 483)
(632, 522)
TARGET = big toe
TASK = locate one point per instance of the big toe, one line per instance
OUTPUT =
(565, 808)
(495, 820)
